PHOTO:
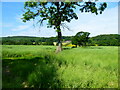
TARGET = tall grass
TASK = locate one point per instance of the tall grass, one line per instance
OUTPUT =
(39, 66)
(93, 67)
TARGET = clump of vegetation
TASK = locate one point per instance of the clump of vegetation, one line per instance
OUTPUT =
(81, 38)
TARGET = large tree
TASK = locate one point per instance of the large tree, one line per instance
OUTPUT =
(56, 13)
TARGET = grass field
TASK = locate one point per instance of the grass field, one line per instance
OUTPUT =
(38, 66)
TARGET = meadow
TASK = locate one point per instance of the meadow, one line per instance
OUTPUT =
(37, 66)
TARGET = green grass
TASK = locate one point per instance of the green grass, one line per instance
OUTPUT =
(38, 66)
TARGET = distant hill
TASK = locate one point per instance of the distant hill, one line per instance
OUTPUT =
(106, 40)
(101, 40)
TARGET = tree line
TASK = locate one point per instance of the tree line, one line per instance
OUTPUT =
(105, 40)
(100, 40)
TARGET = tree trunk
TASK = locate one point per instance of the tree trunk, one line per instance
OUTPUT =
(59, 47)
(58, 22)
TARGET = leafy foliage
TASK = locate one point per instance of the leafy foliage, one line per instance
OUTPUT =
(57, 12)
(81, 38)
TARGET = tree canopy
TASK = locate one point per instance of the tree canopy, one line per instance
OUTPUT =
(58, 12)
(81, 38)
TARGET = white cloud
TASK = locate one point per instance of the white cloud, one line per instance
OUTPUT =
(21, 27)
(39, 32)
(106, 23)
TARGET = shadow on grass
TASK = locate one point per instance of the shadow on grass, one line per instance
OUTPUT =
(37, 72)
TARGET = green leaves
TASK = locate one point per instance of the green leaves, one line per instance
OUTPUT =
(91, 7)
(30, 4)
(102, 7)
(80, 38)
(57, 12)
(28, 15)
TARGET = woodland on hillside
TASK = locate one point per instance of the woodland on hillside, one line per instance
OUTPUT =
(100, 40)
